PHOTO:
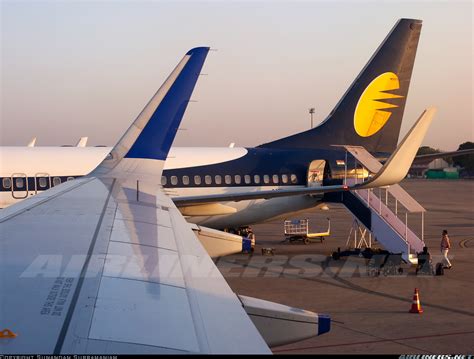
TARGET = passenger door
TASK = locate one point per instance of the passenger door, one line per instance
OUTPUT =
(316, 173)
(19, 185)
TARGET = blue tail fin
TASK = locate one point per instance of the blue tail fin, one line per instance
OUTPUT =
(370, 112)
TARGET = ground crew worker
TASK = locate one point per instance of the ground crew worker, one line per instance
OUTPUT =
(251, 236)
(424, 262)
(445, 246)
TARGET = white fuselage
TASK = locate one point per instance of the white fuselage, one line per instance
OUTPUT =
(38, 166)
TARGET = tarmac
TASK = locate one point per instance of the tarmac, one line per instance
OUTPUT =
(370, 314)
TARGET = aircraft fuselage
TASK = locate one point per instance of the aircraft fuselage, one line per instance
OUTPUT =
(27, 171)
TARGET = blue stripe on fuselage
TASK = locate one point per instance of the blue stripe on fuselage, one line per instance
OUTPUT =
(259, 161)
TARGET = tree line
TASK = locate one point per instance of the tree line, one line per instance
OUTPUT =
(464, 161)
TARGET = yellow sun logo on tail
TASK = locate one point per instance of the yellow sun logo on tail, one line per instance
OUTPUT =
(370, 115)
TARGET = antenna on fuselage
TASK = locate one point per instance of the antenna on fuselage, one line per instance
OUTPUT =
(312, 110)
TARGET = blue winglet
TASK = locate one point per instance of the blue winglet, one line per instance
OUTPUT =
(324, 323)
(154, 142)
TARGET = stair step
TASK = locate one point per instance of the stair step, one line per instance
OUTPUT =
(384, 224)
(380, 210)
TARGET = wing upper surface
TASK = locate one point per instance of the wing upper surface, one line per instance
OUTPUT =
(114, 275)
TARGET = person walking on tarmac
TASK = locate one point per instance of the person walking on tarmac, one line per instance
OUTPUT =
(445, 246)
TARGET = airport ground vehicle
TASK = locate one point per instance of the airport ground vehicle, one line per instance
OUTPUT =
(298, 230)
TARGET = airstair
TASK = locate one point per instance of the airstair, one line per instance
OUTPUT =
(371, 208)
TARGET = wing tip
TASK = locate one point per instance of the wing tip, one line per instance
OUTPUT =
(199, 49)
(324, 323)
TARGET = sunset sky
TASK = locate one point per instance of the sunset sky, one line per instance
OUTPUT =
(87, 68)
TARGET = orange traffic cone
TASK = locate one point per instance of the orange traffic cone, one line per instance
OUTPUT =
(416, 306)
(7, 333)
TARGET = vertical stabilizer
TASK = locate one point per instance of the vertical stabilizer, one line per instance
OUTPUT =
(370, 112)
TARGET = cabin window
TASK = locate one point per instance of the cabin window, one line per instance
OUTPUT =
(70, 178)
(56, 181)
(275, 179)
(284, 178)
(237, 179)
(7, 182)
(185, 180)
(19, 182)
(174, 180)
(256, 179)
(218, 179)
(197, 180)
(294, 179)
(164, 180)
(266, 178)
(228, 179)
(42, 183)
(247, 179)
(208, 179)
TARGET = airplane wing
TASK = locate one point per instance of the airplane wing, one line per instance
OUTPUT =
(88, 268)
(107, 264)
(393, 171)
(241, 196)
